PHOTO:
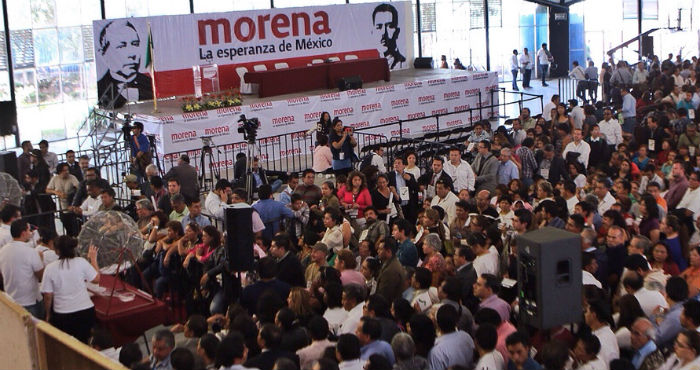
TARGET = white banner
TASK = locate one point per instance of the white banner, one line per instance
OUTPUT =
(292, 35)
(362, 109)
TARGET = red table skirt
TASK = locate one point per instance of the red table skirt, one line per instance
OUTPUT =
(317, 76)
(127, 321)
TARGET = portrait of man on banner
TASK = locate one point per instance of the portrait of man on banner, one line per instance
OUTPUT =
(385, 22)
(120, 47)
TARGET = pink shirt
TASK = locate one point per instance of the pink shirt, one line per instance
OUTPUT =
(363, 199)
(503, 331)
(323, 159)
(349, 276)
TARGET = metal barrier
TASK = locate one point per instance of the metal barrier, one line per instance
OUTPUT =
(583, 91)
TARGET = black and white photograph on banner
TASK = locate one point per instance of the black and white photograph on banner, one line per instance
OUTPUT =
(123, 53)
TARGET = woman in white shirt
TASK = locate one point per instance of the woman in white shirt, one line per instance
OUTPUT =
(411, 166)
(333, 236)
(67, 302)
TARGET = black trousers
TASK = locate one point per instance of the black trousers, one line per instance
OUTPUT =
(78, 324)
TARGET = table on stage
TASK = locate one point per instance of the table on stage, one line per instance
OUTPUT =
(316, 76)
(127, 321)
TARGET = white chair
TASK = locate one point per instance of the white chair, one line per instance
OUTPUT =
(259, 67)
(351, 57)
(281, 65)
(245, 88)
(334, 59)
(316, 61)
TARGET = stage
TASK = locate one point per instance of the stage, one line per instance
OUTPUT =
(411, 94)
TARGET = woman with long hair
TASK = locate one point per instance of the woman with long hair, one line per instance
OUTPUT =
(299, 301)
(342, 142)
(649, 224)
(66, 299)
(411, 167)
(355, 197)
(328, 197)
(385, 200)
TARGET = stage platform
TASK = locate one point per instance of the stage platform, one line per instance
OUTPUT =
(172, 106)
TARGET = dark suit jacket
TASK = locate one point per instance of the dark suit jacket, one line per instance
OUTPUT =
(467, 276)
(391, 276)
(266, 360)
(426, 177)
(645, 134)
(141, 82)
(558, 172)
(290, 270)
(251, 293)
(189, 184)
(410, 210)
(75, 171)
(599, 152)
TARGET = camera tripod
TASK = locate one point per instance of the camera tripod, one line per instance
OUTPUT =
(250, 187)
(207, 158)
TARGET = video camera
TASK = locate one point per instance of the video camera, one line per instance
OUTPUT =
(249, 128)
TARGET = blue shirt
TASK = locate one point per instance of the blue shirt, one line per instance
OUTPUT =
(507, 171)
(200, 220)
(400, 182)
(670, 327)
(456, 348)
(272, 212)
(144, 145)
(674, 247)
(529, 364)
(642, 353)
(407, 253)
(379, 347)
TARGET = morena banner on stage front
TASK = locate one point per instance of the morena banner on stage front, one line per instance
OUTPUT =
(295, 36)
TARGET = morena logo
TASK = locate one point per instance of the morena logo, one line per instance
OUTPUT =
(389, 119)
(166, 118)
(439, 111)
(383, 89)
(471, 92)
(451, 95)
(220, 130)
(356, 93)
(426, 99)
(464, 107)
(459, 79)
(343, 111)
(185, 135)
(430, 127)
(262, 105)
(246, 29)
(405, 130)
(413, 85)
(360, 124)
(228, 110)
(298, 101)
(194, 115)
(416, 115)
(283, 120)
(457, 122)
(313, 116)
(436, 82)
(400, 103)
(330, 96)
(371, 107)
(479, 76)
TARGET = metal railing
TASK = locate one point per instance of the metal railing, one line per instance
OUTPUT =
(582, 90)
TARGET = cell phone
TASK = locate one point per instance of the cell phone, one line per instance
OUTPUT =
(348, 130)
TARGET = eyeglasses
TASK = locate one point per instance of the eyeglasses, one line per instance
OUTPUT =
(680, 344)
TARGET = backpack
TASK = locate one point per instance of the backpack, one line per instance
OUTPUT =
(366, 161)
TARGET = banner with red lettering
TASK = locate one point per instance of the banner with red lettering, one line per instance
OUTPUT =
(295, 36)
(363, 109)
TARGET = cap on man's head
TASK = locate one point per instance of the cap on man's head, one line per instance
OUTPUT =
(320, 247)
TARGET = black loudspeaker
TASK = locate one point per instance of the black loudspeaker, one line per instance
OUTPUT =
(423, 62)
(549, 277)
(8, 164)
(8, 118)
(647, 46)
(239, 237)
(350, 83)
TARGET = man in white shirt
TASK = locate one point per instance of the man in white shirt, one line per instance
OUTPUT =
(486, 262)
(648, 299)
(218, 198)
(602, 191)
(569, 194)
(578, 146)
(526, 64)
(514, 69)
(92, 203)
(543, 59)
(518, 133)
(460, 171)
(589, 267)
(691, 198)
(50, 157)
(579, 75)
(446, 200)
(9, 214)
(547, 110)
(21, 269)
(595, 315)
(352, 302)
(610, 128)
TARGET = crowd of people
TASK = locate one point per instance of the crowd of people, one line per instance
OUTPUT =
(394, 263)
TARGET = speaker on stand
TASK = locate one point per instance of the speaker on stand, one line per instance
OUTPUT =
(549, 277)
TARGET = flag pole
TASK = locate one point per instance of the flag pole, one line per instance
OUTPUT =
(153, 72)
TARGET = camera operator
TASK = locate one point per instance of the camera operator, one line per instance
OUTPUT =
(342, 143)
